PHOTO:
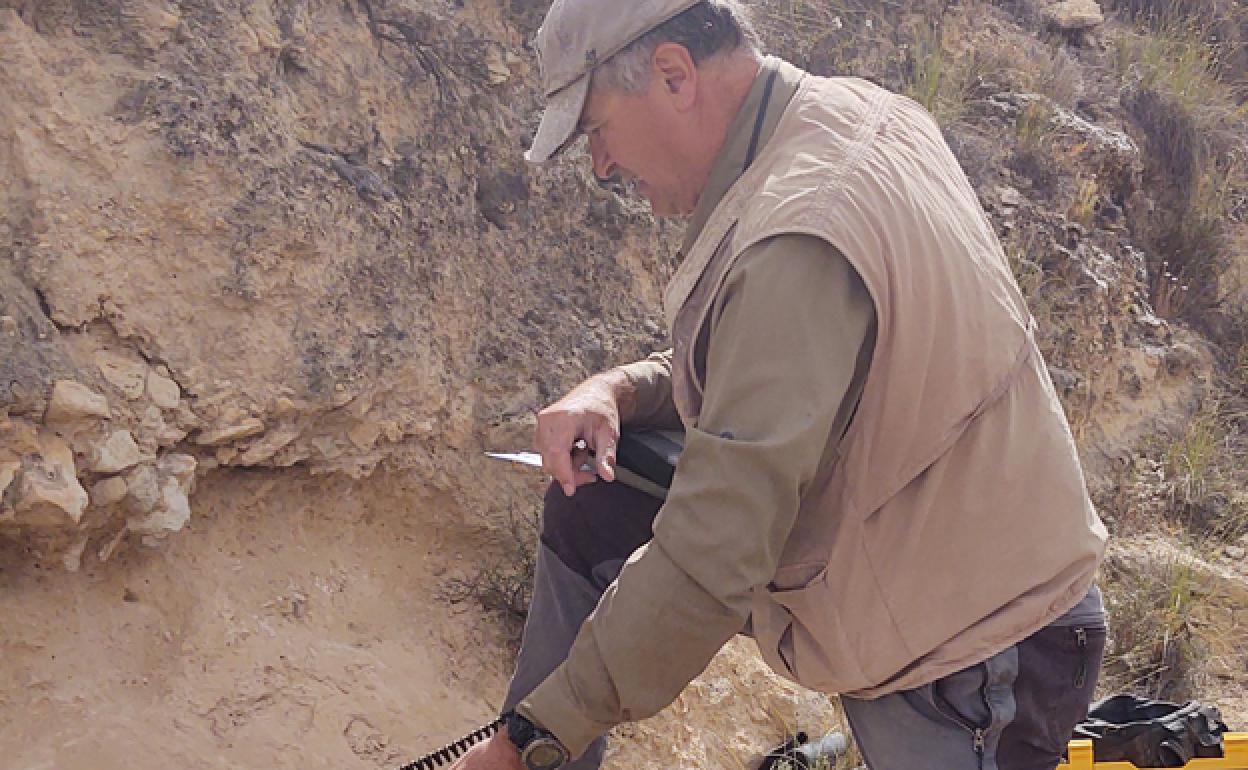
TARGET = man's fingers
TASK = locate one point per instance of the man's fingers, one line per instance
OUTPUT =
(558, 462)
(563, 472)
(560, 430)
(605, 439)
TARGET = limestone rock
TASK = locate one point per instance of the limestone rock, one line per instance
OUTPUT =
(128, 375)
(108, 492)
(117, 453)
(142, 489)
(75, 401)
(159, 495)
(1010, 197)
(364, 434)
(1075, 15)
(269, 444)
(72, 558)
(49, 495)
(246, 428)
(154, 427)
(179, 466)
(171, 515)
(8, 472)
(163, 391)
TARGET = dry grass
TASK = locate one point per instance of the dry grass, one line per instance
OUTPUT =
(1184, 101)
(1028, 65)
(1151, 645)
(1225, 23)
(1206, 468)
(1192, 484)
(900, 45)
(503, 584)
(1083, 208)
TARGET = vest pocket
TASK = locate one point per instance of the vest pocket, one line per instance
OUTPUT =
(801, 636)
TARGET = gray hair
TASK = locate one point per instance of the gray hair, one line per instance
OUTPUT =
(708, 28)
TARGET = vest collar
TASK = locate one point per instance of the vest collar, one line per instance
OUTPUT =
(754, 124)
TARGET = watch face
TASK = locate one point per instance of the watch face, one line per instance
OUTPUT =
(544, 754)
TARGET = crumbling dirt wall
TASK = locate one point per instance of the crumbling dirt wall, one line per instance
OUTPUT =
(278, 234)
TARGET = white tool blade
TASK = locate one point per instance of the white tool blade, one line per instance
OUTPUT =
(524, 458)
(532, 459)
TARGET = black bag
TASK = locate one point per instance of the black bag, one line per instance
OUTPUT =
(1151, 733)
(646, 459)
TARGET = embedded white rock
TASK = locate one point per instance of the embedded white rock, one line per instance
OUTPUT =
(171, 513)
(180, 466)
(246, 428)
(1075, 15)
(48, 489)
(142, 489)
(117, 453)
(163, 391)
(108, 492)
(269, 444)
(158, 495)
(75, 401)
(8, 472)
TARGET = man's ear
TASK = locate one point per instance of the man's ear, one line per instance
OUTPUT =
(678, 74)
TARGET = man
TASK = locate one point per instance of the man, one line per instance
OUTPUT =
(878, 482)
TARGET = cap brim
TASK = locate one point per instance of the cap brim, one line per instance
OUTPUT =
(559, 121)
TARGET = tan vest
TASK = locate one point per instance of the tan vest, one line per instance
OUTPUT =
(951, 521)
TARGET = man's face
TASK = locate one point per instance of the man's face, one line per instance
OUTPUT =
(636, 137)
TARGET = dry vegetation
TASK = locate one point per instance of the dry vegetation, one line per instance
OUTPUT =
(503, 584)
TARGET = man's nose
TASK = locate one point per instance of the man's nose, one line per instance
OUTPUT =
(604, 167)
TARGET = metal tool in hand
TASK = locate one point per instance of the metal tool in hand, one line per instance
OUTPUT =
(645, 459)
(535, 460)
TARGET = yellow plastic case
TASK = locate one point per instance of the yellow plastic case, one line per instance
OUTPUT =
(1234, 745)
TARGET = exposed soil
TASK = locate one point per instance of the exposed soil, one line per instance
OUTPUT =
(273, 274)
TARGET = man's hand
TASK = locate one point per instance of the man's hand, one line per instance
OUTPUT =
(589, 413)
(497, 753)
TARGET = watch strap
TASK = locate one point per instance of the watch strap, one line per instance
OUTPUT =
(519, 729)
(533, 741)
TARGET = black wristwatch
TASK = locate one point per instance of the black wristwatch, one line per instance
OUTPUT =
(539, 750)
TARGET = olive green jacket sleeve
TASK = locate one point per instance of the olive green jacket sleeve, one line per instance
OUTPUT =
(652, 392)
(787, 354)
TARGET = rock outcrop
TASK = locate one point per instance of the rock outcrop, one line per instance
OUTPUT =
(298, 234)
(1075, 15)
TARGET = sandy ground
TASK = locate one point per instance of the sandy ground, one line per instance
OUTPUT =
(296, 624)
(293, 625)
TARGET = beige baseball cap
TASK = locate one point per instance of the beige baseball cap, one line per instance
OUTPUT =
(576, 36)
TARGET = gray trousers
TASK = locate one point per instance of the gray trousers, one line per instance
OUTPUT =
(1013, 711)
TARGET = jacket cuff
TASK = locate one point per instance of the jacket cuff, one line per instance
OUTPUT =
(553, 707)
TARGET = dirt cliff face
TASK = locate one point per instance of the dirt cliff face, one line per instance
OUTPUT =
(272, 275)
(286, 234)
(250, 253)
